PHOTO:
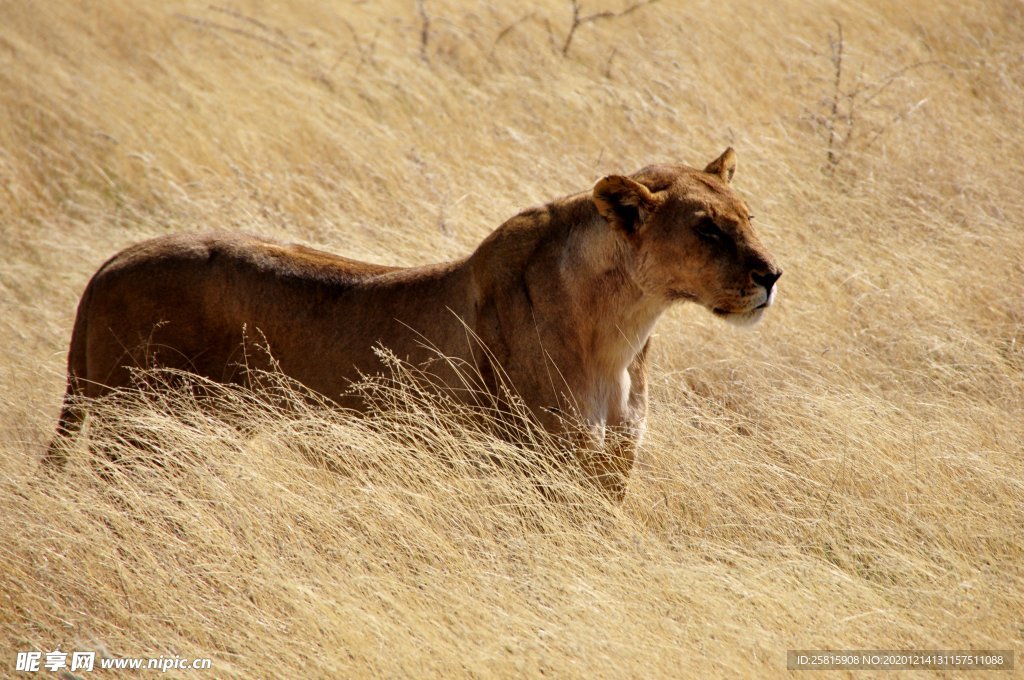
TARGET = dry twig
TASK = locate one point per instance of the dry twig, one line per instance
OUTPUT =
(846, 102)
(424, 28)
(578, 20)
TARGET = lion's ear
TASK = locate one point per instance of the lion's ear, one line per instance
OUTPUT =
(623, 202)
(724, 166)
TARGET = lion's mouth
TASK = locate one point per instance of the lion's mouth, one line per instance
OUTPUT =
(675, 294)
(747, 318)
(721, 311)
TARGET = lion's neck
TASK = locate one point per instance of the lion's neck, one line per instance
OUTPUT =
(602, 311)
(614, 316)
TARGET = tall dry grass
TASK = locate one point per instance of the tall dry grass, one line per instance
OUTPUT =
(848, 475)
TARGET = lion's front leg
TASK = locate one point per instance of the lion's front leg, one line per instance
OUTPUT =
(603, 444)
(606, 454)
(614, 443)
(602, 455)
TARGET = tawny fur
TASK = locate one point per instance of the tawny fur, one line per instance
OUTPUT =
(558, 303)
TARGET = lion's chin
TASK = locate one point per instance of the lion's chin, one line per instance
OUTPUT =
(741, 319)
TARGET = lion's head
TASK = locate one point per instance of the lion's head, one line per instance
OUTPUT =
(690, 237)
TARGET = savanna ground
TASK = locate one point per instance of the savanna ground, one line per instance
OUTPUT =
(847, 475)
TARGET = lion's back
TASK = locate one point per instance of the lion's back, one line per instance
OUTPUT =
(239, 252)
(186, 301)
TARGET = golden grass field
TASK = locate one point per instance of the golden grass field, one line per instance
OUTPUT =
(849, 474)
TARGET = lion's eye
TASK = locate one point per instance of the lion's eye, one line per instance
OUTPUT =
(709, 231)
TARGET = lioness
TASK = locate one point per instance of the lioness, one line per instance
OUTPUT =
(558, 303)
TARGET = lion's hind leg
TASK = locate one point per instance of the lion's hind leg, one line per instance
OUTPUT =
(69, 424)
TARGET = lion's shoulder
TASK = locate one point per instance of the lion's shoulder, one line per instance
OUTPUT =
(527, 238)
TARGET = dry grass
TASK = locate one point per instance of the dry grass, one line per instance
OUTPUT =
(849, 475)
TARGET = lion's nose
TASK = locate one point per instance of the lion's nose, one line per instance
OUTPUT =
(767, 279)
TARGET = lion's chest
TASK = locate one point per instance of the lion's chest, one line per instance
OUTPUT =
(611, 409)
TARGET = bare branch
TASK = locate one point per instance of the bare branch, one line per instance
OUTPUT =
(848, 109)
(250, 20)
(572, 29)
(508, 29)
(895, 119)
(608, 64)
(578, 20)
(836, 48)
(890, 78)
(207, 24)
(424, 28)
(366, 52)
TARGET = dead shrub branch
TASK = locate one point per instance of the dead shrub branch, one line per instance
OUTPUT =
(580, 20)
(848, 118)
